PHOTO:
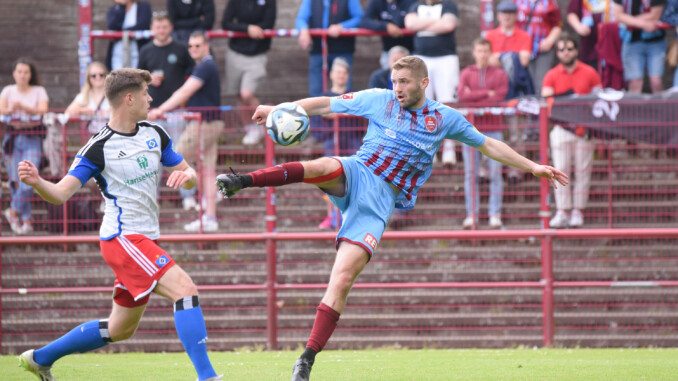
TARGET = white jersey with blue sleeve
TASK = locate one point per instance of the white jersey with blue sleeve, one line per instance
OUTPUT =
(127, 169)
(400, 143)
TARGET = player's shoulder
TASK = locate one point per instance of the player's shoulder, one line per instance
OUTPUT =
(96, 142)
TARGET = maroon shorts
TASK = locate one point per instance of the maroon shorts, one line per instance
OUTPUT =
(138, 263)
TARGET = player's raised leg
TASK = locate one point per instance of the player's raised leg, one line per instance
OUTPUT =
(325, 172)
(349, 263)
(189, 321)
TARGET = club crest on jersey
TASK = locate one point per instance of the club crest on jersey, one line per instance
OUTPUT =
(151, 143)
(162, 261)
(431, 123)
(371, 241)
(347, 96)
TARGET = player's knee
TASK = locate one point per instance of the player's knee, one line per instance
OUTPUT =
(320, 167)
(120, 332)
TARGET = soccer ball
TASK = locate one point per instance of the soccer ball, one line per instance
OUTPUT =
(287, 124)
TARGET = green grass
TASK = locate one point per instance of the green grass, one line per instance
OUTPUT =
(370, 365)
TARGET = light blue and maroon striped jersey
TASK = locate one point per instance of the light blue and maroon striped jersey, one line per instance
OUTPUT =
(400, 143)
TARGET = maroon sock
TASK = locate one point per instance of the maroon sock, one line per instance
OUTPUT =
(282, 174)
(325, 322)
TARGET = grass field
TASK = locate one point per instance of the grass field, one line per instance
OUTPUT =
(412, 365)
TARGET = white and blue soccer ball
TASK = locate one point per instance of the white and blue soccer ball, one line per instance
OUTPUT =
(287, 124)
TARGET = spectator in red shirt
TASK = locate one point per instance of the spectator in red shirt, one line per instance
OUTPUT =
(483, 83)
(541, 19)
(507, 37)
(571, 145)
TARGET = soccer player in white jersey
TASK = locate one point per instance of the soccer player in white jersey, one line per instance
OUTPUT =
(125, 159)
(405, 131)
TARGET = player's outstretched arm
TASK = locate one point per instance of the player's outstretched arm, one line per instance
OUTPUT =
(53, 193)
(501, 152)
(182, 175)
(312, 106)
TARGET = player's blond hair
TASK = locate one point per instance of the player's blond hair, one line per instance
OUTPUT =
(415, 65)
(123, 81)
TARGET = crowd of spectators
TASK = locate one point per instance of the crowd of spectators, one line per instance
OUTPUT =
(615, 43)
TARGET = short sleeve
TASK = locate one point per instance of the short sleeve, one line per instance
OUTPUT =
(5, 92)
(83, 169)
(450, 7)
(204, 71)
(549, 80)
(170, 158)
(361, 103)
(467, 134)
(41, 94)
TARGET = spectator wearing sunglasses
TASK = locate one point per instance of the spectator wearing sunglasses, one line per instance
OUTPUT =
(91, 101)
(570, 144)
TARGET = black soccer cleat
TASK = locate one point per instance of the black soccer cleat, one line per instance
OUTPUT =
(229, 184)
(301, 370)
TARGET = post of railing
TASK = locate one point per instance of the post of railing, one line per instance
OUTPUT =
(547, 290)
(64, 164)
(271, 262)
(475, 167)
(546, 241)
(325, 58)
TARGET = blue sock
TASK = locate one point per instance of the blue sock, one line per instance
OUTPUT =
(83, 338)
(191, 329)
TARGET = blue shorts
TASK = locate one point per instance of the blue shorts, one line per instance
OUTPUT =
(366, 207)
(636, 56)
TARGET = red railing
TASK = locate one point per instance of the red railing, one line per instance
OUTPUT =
(547, 283)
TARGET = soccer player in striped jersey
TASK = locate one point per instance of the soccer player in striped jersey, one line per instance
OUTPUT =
(125, 159)
(405, 131)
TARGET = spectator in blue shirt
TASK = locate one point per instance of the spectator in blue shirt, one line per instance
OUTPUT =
(389, 16)
(335, 16)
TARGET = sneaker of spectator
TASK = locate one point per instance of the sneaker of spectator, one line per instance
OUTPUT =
(14, 222)
(189, 203)
(254, 134)
(209, 224)
(576, 219)
(495, 222)
(560, 220)
(26, 228)
(468, 223)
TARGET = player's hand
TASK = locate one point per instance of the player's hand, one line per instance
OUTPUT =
(393, 30)
(334, 30)
(28, 173)
(261, 113)
(177, 179)
(552, 174)
(154, 114)
(255, 32)
(304, 39)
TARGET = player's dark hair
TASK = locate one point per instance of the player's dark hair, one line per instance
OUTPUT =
(415, 65)
(35, 78)
(123, 81)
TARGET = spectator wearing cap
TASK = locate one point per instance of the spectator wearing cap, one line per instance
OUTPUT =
(507, 37)
(541, 19)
